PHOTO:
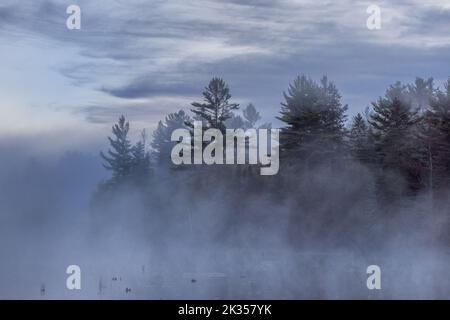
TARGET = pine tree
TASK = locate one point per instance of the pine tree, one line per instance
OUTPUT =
(248, 120)
(216, 108)
(315, 119)
(421, 93)
(400, 92)
(434, 135)
(235, 122)
(393, 122)
(140, 159)
(162, 144)
(251, 116)
(359, 139)
(420, 143)
(119, 159)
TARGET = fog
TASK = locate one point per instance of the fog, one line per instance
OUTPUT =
(309, 236)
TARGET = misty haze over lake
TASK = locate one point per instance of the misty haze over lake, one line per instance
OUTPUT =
(87, 177)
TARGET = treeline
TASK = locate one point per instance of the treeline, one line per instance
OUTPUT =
(403, 139)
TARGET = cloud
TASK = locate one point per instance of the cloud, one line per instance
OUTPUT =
(144, 113)
(145, 87)
(128, 50)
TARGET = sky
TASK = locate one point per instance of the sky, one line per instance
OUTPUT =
(62, 89)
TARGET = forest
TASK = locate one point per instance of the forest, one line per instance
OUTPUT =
(349, 192)
(402, 139)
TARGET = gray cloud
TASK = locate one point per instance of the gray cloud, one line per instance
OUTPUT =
(143, 49)
(146, 87)
(146, 113)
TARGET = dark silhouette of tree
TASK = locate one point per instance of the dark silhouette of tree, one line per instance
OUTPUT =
(119, 159)
(216, 108)
(360, 143)
(393, 122)
(315, 119)
(161, 144)
(434, 139)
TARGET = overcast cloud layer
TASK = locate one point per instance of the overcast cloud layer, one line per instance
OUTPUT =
(148, 58)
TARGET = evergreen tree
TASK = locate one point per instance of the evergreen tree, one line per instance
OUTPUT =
(235, 122)
(315, 119)
(251, 116)
(119, 159)
(359, 139)
(421, 93)
(216, 108)
(249, 119)
(141, 159)
(434, 138)
(393, 122)
(162, 144)
(421, 142)
(400, 92)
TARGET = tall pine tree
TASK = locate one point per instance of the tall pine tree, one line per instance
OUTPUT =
(119, 158)
(434, 135)
(315, 119)
(141, 160)
(251, 116)
(421, 93)
(162, 144)
(216, 107)
(393, 123)
(360, 145)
